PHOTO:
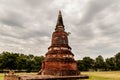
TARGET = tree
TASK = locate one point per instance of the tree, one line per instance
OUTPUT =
(99, 63)
(80, 65)
(8, 60)
(110, 63)
(30, 65)
(38, 62)
(88, 63)
(21, 62)
(117, 60)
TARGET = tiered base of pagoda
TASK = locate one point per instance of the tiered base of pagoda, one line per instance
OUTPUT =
(42, 77)
(49, 77)
(61, 72)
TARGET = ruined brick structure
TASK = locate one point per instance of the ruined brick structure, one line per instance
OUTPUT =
(59, 60)
(59, 63)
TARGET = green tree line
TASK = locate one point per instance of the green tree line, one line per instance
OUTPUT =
(99, 63)
(20, 62)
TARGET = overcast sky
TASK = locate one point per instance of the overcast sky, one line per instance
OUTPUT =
(26, 26)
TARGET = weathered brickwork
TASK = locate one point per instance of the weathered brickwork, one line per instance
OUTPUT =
(59, 63)
(59, 60)
(11, 77)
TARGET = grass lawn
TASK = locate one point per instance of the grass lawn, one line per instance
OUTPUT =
(1, 76)
(108, 75)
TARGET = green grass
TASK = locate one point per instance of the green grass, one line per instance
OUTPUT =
(1, 76)
(108, 75)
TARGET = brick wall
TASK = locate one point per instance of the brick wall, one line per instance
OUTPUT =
(10, 77)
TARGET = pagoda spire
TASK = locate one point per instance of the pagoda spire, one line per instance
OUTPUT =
(60, 20)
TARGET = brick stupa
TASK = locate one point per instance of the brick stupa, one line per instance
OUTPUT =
(59, 63)
(59, 60)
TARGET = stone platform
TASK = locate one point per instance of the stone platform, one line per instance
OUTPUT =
(49, 77)
(42, 77)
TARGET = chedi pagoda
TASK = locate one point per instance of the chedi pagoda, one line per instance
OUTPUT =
(59, 60)
(59, 63)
